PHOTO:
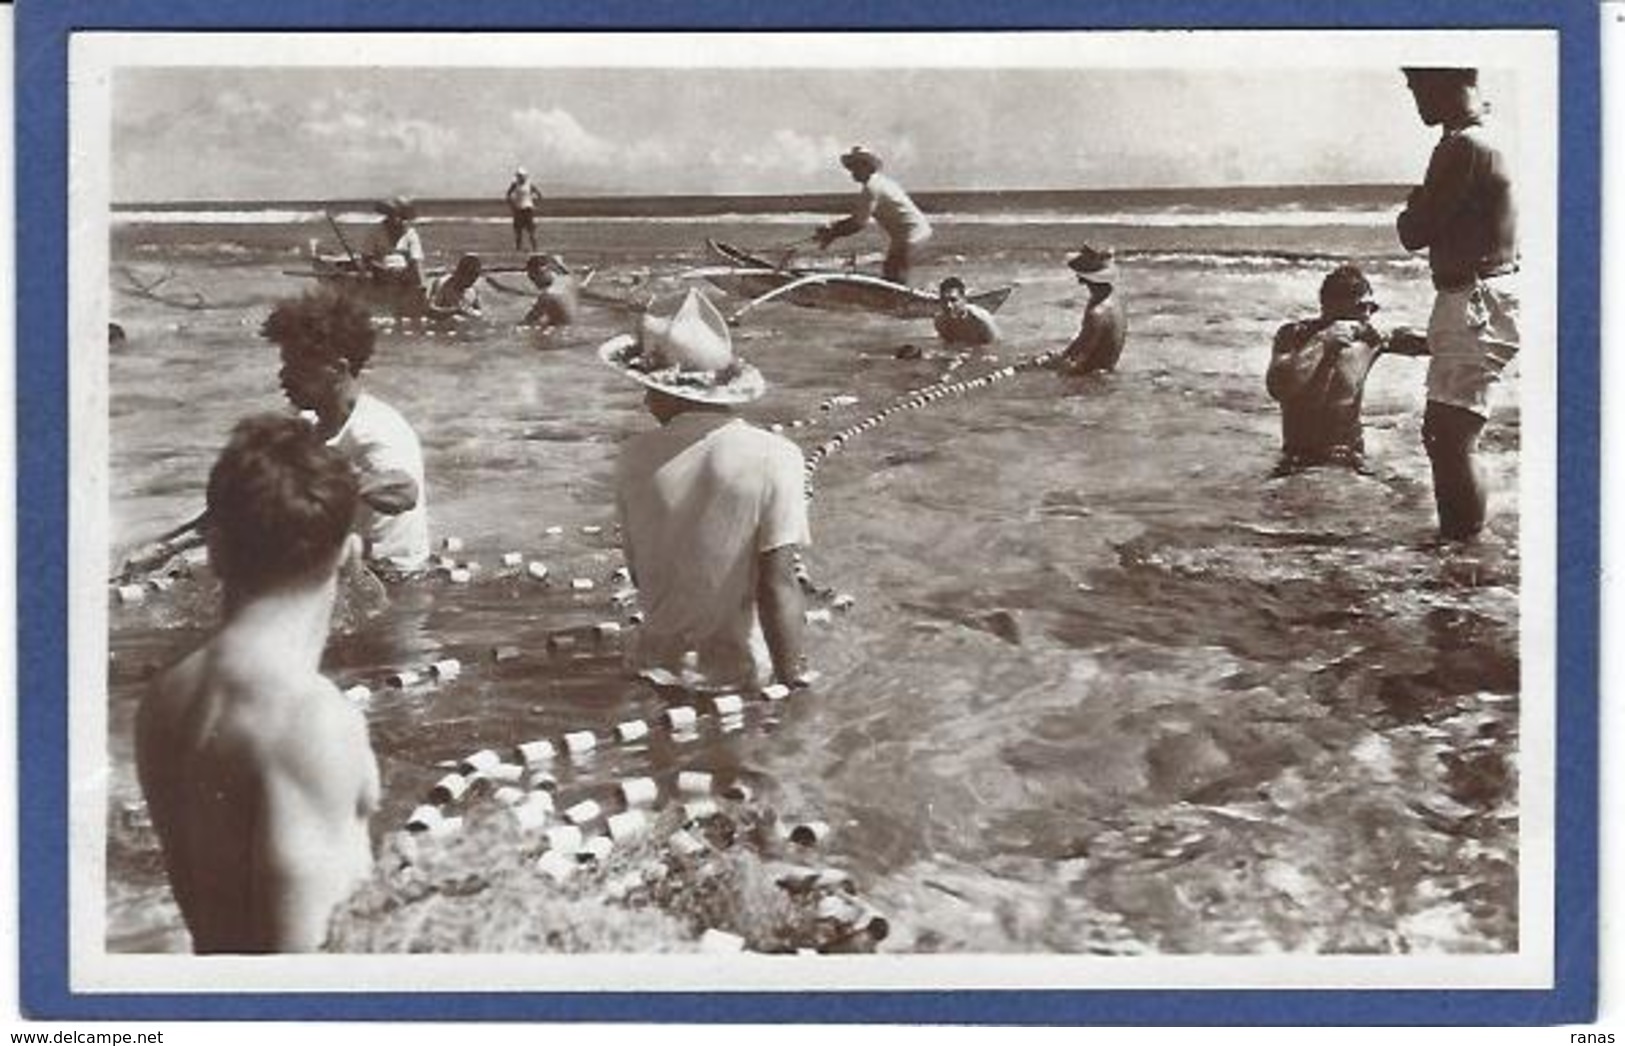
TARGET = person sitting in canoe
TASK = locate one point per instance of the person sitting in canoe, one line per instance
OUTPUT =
(1099, 343)
(959, 322)
(558, 301)
(394, 252)
(885, 201)
(454, 294)
(1318, 368)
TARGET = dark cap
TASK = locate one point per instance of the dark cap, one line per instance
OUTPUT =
(1458, 75)
(1346, 285)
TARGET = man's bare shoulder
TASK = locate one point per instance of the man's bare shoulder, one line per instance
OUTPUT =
(252, 705)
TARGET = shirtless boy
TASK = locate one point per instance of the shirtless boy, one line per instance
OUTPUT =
(258, 774)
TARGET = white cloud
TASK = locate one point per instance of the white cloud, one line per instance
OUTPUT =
(363, 134)
(788, 152)
(562, 138)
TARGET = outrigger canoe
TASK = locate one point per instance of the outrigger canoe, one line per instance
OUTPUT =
(751, 276)
(343, 274)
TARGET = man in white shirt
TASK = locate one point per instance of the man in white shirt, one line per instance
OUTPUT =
(394, 251)
(891, 208)
(326, 341)
(712, 509)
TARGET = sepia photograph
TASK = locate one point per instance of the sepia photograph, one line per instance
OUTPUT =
(803, 511)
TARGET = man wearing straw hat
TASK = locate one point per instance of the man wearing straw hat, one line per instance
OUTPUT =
(394, 251)
(1464, 215)
(712, 510)
(258, 774)
(885, 201)
(1099, 343)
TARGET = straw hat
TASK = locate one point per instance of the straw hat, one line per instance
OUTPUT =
(688, 354)
(859, 156)
(1094, 265)
(396, 207)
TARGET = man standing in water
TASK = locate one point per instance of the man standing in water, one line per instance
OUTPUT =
(885, 201)
(712, 511)
(326, 341)
(523, 198)
(1318, 368)
(258, 774)
(1463, 213)
(961, 323)
(455, 294)
(558, 301)
(1099, 343)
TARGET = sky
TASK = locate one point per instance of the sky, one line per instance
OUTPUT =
(336, 133)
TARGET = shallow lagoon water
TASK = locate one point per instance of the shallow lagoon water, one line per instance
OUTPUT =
(1106, 687)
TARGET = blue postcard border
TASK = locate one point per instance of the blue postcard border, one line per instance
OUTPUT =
(43, 30)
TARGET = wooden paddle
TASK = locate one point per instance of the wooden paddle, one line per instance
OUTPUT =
(354, 260)
(163, 548)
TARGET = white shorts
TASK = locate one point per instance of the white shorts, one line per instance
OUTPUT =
(1472, 336)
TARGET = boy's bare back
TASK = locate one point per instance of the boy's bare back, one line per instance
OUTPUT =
(260, 781)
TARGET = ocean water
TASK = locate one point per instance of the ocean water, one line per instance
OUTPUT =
(1105, 687)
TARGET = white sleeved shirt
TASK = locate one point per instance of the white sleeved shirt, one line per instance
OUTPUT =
(376, 438)
(885, 201)
(404, 248)
(700, 499)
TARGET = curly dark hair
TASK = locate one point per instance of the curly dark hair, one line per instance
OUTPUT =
(280, 502)
(322, 325)
(1343, 286)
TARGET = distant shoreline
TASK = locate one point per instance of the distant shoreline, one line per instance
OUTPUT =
(1230, 198)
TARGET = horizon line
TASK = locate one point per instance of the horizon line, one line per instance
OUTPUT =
(574, 196)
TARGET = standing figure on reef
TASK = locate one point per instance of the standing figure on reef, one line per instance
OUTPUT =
(712, 509)
(326, 340)
(523, 198)
(1464, 215)
(1099, 343)
(884, 200)
(257, 772)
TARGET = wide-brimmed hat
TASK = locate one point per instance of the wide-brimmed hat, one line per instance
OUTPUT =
(520, 172)
(1451, 74)
(688, 354)
(1094, 265)
(859, 156)
(396, 207)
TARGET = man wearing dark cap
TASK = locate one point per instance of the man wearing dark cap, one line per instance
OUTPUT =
(1463, 214)
(1318, 368)
(885, 201)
